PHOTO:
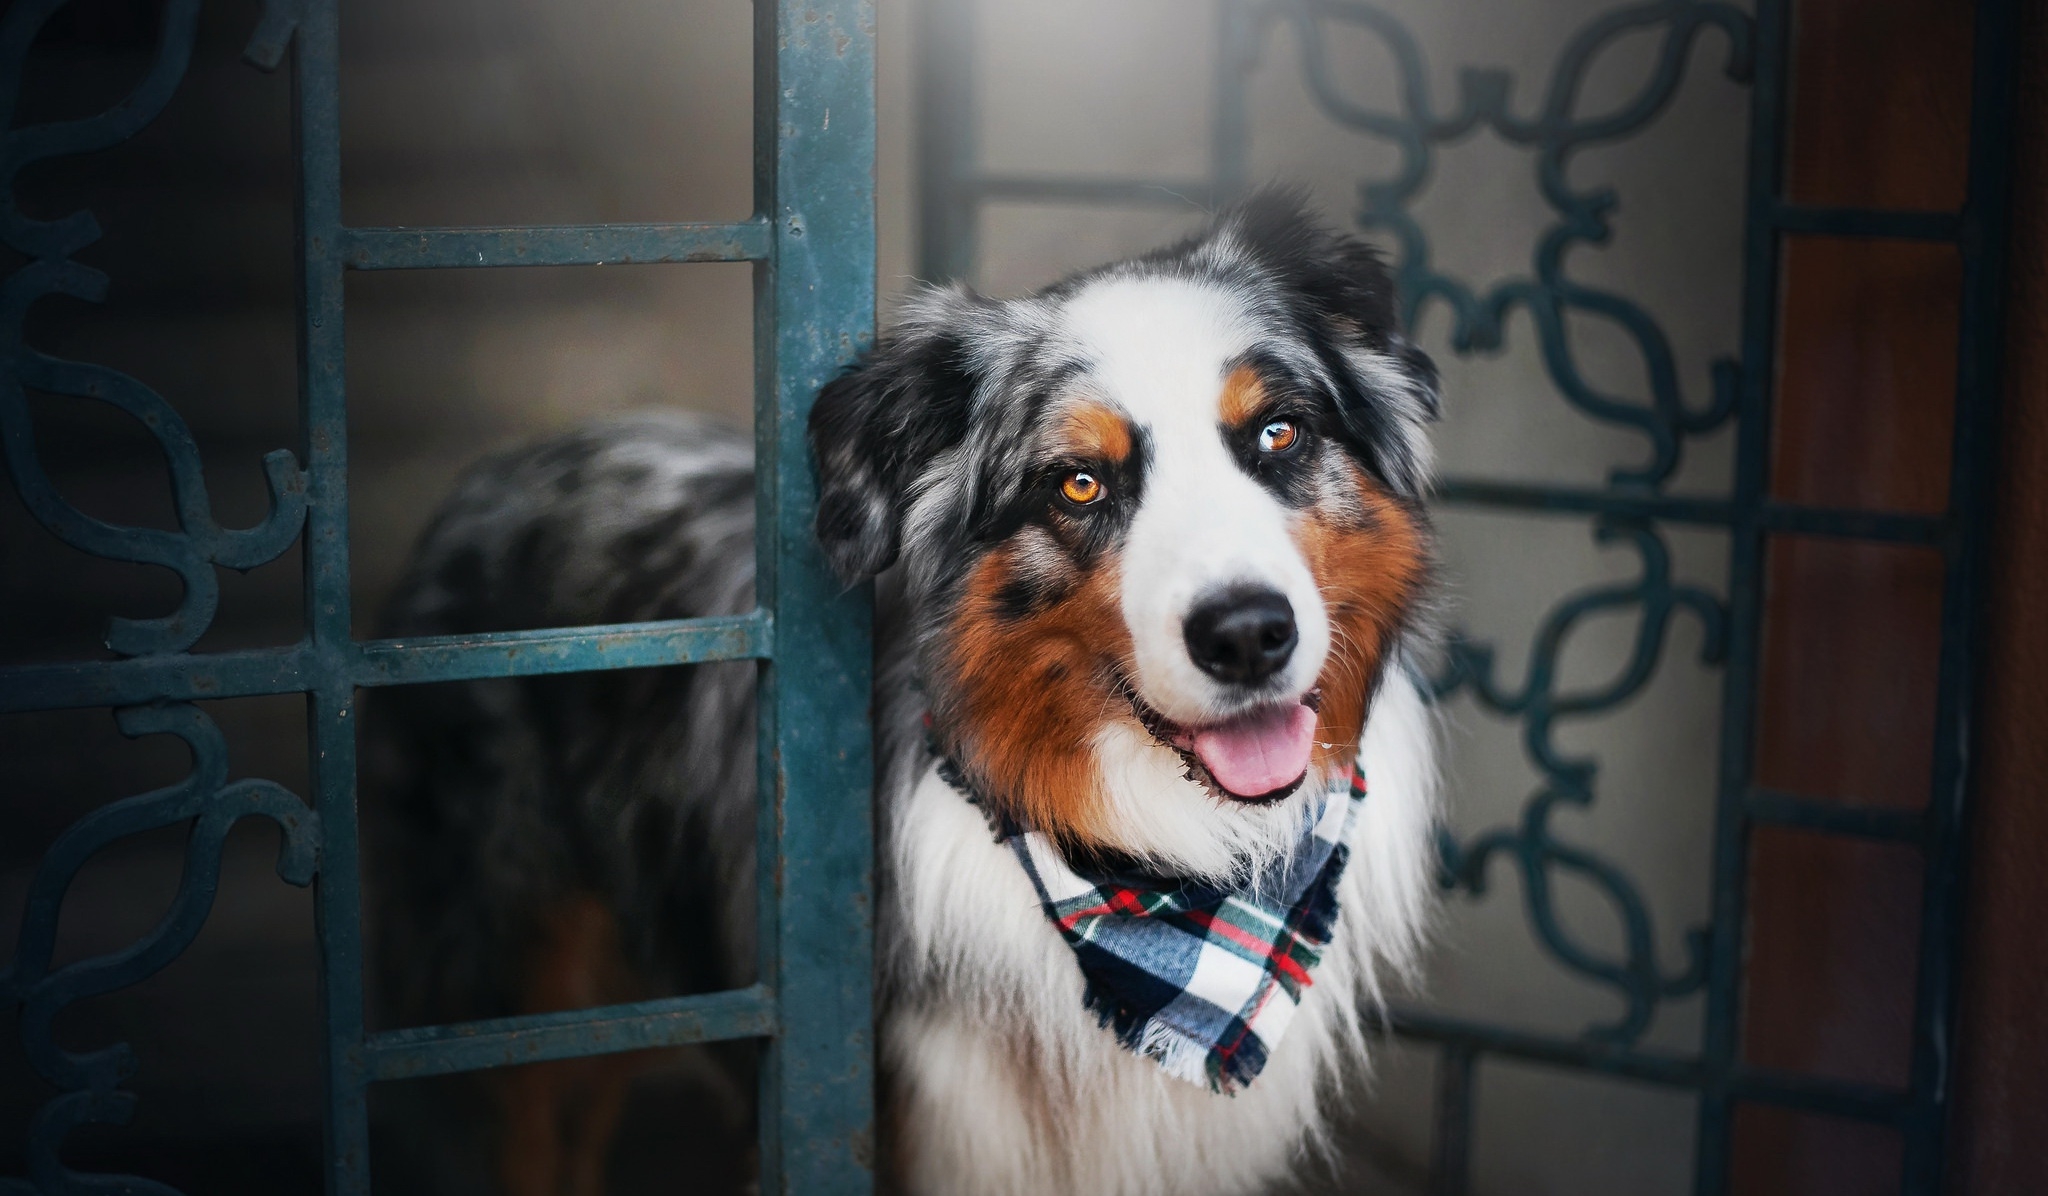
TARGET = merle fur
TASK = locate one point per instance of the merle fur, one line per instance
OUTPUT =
(490, 803)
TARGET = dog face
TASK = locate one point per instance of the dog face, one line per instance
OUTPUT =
(1159, 525)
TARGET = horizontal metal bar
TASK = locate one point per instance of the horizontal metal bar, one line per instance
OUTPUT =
(178, 678)
(1835, 818)
(1805, 220)
(1801, 219)
(554, 245)
(1189, 193)
(1841, 523)
(1570, 500)
(207, 676)
(1816, 1094)
(562, 650)
(508, 1041)
(1789, 518)
(1581, 1053)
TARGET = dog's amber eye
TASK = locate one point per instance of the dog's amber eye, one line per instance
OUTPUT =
(1278, 436)
(1081, 488)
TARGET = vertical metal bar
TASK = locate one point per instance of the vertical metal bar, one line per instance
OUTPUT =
(947, 158)
(323, 421)
(767, 426)
(815, 302)
(1237, 31)
(1450, 1172)
(1978, 378)
(1721, 1040)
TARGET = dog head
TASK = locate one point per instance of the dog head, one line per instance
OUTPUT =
(1160, 528)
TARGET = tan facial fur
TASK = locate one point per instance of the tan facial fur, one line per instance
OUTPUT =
(1369, 562)
(1033, 688)
(1028, 693)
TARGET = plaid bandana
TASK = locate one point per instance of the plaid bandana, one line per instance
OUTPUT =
(1202, 979)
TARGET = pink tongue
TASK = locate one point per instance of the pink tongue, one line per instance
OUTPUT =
(1257, 755)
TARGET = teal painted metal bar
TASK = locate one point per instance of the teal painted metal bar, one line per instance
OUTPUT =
(1840, 522)
(562, 650)
(1180, 193)
(1720, 1044)
(177, 678)
(812, 245)
(330, 707)
(509, 1041)
(814, 156)
(557, 245)
(1851, 222)
(1451, 1153)
(1979, 380)
(1834, 1098)
(243, 674)
(948, 115)
(1835, 818)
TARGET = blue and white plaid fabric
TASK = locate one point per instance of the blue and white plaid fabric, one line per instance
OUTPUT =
(1205, 980)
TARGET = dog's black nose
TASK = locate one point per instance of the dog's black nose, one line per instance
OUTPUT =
(1243, 636)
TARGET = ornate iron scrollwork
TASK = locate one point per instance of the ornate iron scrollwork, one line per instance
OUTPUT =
(1664, 419)
(88, 1081)
(200, 544)
(1567, 779)
(1556, 133)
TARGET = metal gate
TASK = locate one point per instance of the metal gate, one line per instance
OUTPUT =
(811, 240)
(1633, 508)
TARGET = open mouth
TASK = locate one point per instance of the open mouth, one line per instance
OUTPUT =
(1257, 757)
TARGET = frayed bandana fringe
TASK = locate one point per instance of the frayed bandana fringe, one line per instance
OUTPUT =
(1201, 979)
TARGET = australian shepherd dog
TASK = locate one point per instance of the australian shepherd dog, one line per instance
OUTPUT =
(1152, 575)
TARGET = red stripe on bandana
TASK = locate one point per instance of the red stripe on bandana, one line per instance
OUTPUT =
(1210, 923)
(1128, 901)
(1117, 901)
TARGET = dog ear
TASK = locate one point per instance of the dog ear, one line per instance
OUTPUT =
(1343, 298)
(875, 428)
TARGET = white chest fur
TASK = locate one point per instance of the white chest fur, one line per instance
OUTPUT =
(1003, 1082)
